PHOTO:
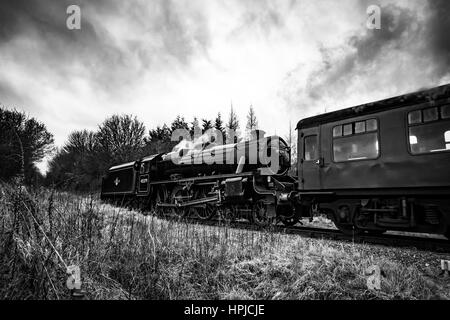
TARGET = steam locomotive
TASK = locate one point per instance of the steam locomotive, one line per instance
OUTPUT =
(239, 180)
(371, 168)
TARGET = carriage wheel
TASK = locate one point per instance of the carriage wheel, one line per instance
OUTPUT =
(348, 228)
(260, 214)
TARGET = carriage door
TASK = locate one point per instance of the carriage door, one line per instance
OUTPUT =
(310, 158)
(144, 179)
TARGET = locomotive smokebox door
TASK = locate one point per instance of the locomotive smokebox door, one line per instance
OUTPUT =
(234, 188)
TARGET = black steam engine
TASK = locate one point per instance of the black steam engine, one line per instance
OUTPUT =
(371, 168)
(237, 180)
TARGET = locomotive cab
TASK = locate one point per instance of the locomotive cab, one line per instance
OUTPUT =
(120, 181)
(147, 170)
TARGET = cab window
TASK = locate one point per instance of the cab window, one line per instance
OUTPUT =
(145, 166)
(429, 130)
(310, 148)
(356, 141)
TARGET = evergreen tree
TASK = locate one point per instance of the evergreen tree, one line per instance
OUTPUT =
(195, 128)
(218, 125)
(207, 124)
(232, 126)
(252, 122)
(160, 134)
(179, 123)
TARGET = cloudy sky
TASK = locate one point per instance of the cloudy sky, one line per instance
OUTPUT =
(160, 58)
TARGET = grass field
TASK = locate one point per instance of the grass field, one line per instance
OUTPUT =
(125, 255)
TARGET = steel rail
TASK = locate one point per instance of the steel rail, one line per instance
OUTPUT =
(390, 240)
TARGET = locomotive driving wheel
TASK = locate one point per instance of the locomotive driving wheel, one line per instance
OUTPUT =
(205, 211)
(260, 214)
(161, 197)
(180, 195)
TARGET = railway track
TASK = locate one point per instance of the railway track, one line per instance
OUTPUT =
(391, 240)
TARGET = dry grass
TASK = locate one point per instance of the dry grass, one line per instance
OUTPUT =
(125, 255)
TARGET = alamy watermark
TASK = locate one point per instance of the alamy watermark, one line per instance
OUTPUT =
(73, 21)
(209, 148)
(374, 17)
(373, 274)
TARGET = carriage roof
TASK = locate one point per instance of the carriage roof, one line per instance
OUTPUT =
(374, 107)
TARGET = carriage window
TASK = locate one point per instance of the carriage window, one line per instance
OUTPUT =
(447, 140)
(445, 112)
(145, 166)
(372, 125)
(361, 142)
(357, 147)
(337, 131)
(415, 117)
(430, 115)
(310, 148)
(360, 127)
(348, 129)
(429, 138)
(433, 134)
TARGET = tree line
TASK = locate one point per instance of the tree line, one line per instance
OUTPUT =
(86, 155)
(23, 142)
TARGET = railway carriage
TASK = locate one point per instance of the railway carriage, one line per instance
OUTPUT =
(379, 166)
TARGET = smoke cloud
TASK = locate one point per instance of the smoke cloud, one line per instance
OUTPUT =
(411, 51)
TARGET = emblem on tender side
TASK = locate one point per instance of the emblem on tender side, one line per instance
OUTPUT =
(117, 181)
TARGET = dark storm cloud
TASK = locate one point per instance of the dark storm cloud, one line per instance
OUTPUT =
(381, 62)
(180, 32)
(439, 33)
(46, 20)
(9, 96)
(57, 48)
(399, 29)
(263, 15)
(177, 40)
(170, 36)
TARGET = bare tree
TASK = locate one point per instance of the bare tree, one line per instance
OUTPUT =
(291, 140)
(23, 142)
(121, 138)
